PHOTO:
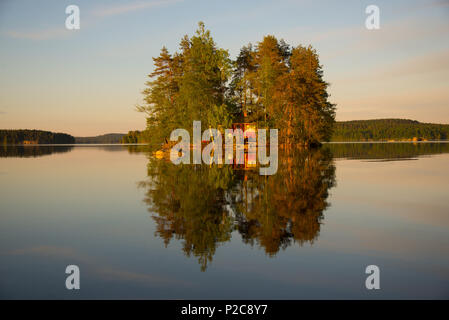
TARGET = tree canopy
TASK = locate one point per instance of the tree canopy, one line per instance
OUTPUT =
(271, 83)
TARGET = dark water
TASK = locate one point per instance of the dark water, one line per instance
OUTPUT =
(139, 227)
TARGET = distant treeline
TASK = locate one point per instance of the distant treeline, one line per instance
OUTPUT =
(34, 137)
(105, 138)
(392, 151)
(388, 129)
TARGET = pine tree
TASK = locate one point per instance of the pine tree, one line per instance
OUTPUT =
(160, 97)
(300, 107)
(187, 86)
(241, 88)
(206, 70)
(273, 84)
(316, 114)
(269, 66)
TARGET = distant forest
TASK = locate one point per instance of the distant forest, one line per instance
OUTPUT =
(34, 137)
(359, 130)
(105, 138)
(385, 151)
(343, 131)
(388, 129)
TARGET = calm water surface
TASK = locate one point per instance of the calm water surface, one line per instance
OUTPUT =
(139, 227)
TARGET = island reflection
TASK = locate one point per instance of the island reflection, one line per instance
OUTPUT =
(203, 205)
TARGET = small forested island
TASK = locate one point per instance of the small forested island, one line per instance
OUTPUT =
(388, 130)
(269, 85)
(25, 136)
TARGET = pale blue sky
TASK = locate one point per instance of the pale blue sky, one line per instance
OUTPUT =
(87, 82)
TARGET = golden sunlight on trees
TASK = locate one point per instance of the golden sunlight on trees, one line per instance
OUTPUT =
(271, 84)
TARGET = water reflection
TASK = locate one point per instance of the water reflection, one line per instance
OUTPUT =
(21, 151)
(202, 205)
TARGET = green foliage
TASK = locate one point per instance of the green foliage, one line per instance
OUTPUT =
(131, 137)
(240, 87)
(220, 117)
(388, 129)
(136, 137)
(269, 64)
(34, 137)
(301, 107)
(282, 87)
(190, 85)
(272, 84)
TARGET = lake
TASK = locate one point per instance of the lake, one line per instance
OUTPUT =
(141, 227)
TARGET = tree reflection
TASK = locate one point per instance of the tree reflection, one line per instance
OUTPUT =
(276, 210)
(203, 205)
(31, 151)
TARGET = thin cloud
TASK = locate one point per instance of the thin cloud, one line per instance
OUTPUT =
(396, 103)
(38, 35)
(431, 62)
(356, 38)
(428, 63)
(120, 9)
(59, 32)
(437, 3)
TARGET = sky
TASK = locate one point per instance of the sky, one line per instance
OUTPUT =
(88, 82)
